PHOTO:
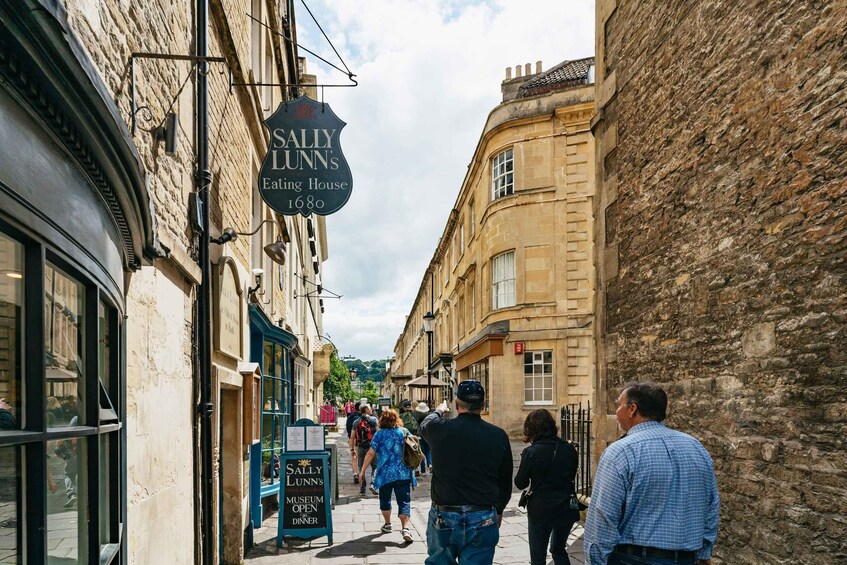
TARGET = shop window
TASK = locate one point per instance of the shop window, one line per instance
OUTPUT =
(538, 377)
(276, 409)
(11, 512)
(64, 328)
(300, 390)
(11, 332)
(479, 372)
(502, 174)
(503, 280)
(73, 463)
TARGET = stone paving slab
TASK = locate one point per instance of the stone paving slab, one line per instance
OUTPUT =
(356, 520)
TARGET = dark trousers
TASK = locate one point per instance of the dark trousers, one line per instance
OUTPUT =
(555, 532)
(427, 460)
(622, 559)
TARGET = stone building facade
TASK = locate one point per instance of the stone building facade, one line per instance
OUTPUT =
(149, 509)
(511, 284)
(721, 233)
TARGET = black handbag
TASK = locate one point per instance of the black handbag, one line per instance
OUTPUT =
(524, 498)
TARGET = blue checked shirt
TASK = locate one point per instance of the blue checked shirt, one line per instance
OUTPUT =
(655, 487)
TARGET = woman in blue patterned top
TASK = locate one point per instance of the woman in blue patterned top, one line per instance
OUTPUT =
(391, 475)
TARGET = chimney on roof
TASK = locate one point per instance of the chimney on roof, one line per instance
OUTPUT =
(523, 73)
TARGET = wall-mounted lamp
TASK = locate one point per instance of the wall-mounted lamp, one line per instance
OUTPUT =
(228, 234)
(276, 251)
(257, 273)
(167, 133)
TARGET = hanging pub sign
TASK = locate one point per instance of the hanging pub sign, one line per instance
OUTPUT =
(304, 171)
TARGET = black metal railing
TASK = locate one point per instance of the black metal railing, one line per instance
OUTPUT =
(576, 429)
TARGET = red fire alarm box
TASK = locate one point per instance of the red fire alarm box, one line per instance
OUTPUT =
(518, 347)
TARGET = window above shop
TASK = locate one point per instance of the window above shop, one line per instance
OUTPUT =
(503, 280)
(502, 174)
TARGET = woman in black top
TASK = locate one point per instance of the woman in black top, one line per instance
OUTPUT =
(548, 465)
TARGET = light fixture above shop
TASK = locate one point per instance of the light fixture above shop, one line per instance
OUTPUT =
(276, 251)
(12, 274)
(167, 133)
(257, 274)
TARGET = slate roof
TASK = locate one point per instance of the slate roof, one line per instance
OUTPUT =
(564, 75)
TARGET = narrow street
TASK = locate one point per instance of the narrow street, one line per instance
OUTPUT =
(356, 521)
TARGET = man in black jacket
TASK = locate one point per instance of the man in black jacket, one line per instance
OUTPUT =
(471, 482)
(354, 461)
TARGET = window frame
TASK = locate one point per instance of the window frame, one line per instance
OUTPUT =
(36, 440)
(503, 280)
(481, 372)
(503, 174)
(532, 360)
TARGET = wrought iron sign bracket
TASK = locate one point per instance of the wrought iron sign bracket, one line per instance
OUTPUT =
(148, 116)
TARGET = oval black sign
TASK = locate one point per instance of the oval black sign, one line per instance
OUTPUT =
(305, 171)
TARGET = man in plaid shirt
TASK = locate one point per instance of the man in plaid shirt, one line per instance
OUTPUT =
(655, 497)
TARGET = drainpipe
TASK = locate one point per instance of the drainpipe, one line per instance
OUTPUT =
(203, 180)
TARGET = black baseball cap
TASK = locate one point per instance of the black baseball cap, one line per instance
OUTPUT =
(471, 392)
(406, 404)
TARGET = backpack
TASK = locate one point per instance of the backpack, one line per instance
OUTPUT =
(409, 422)
(364, 433)
(412, 454)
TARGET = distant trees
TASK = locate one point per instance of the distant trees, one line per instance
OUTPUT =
(337, 384)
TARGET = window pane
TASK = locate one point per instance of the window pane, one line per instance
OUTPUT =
(267, 368)
(278, 362)
(63, 343)
(108, 460)
(278, 394)
(269, 404)
(11, 519)
(11, 334)
(67, 521)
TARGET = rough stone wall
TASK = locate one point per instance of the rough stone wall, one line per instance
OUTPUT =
(160, 389)
(722, 191)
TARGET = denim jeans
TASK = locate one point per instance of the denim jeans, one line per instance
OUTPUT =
(623, 559)
(466, 537)
(402, 492)
(555, 532)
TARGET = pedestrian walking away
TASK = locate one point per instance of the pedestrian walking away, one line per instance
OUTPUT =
(655, 497)
(391, 474)
(548, 468)
(472, 482)
(364, 428)
(354, 460)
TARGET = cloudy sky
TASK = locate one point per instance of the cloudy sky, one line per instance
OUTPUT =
(429, 72)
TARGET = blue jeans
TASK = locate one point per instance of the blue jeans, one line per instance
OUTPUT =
(427, 460)
(466, 537)
(402, 492)
(623, 559)
(555, 532)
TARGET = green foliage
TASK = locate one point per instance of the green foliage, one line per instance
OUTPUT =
(337, 384)
(368, 370)
(371, 391)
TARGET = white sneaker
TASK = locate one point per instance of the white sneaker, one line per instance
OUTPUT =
(407, 535)
(385, 529)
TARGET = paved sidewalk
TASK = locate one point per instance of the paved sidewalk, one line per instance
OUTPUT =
(356, 521)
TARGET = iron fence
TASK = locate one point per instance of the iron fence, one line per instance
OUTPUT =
(576, 429)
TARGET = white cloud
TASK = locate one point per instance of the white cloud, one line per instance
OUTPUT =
(429, 73)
